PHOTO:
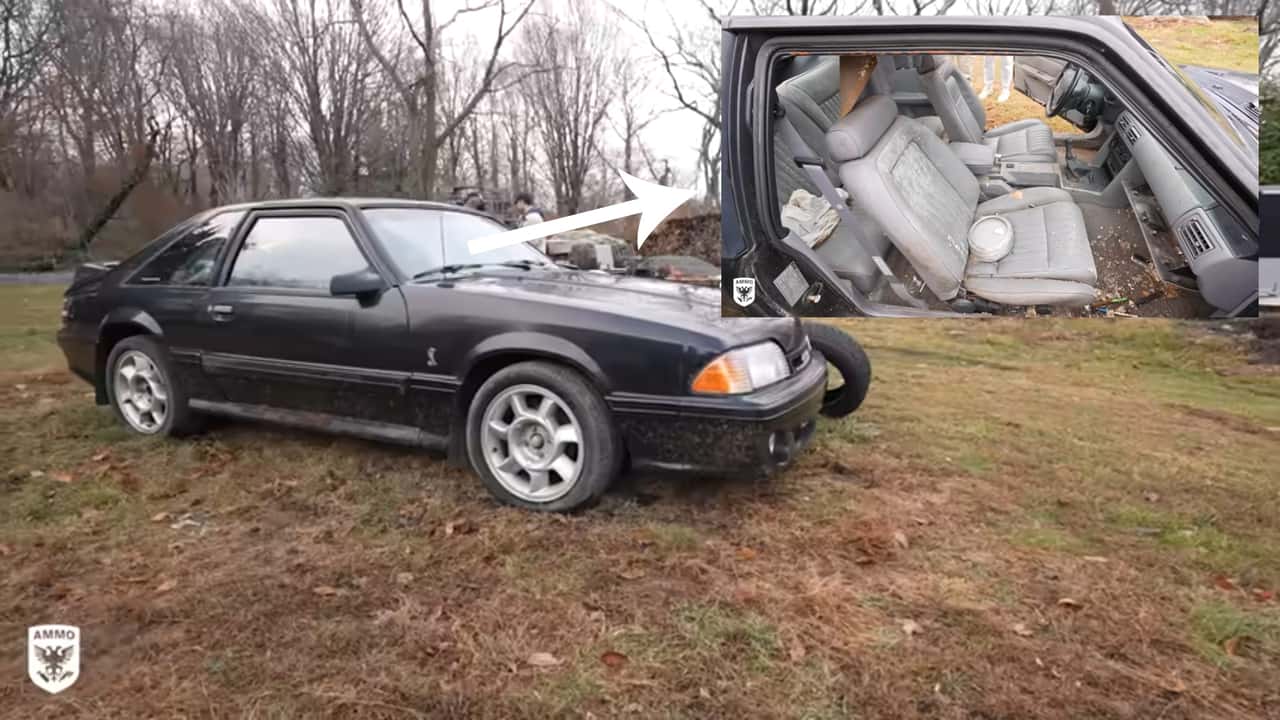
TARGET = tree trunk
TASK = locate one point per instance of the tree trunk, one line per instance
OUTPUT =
(136, 175)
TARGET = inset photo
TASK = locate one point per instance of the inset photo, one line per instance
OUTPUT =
(957, 166)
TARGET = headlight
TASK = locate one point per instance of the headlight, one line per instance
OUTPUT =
(743, 370)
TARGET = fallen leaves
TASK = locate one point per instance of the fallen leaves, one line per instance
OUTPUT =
(328, 591)
(1022, 630)
(613, 659)
(543, 660)
(1232, 646)
(102, 456)
(61, 477)
(1224, 583)
(796, 651)
(911, 628)
(460, 526)
(900, 539)
(1070, 603)
(746, 553)
(5, 550)
(166, 586)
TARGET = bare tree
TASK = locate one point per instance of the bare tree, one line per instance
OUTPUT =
(421, 84)
(216, 72)
(27, 33)
(327, 68)
(569, 100)
(633, 115)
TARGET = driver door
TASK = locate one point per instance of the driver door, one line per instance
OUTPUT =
(1035, 76)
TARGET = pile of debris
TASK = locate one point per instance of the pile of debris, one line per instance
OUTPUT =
(697, 236)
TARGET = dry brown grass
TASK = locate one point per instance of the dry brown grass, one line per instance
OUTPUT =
(997, 469)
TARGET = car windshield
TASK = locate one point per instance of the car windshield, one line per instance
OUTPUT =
(422, 241)
(1197, 92)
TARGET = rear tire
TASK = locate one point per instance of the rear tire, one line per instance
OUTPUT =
(542, 438)
(848, 357)
(143, 389)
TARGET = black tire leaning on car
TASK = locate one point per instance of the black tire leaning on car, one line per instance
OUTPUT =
(850, 359)
(600, 451)
(179, 418)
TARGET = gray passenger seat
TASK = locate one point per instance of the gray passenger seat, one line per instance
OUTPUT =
(925, 199)
(810, 101)
(965, 119)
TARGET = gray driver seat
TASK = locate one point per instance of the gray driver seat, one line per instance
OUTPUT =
(965, 119)
(926, 199)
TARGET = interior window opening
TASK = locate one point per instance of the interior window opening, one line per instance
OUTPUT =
(992, 183)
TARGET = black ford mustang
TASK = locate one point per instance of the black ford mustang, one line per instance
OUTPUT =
(371, 317)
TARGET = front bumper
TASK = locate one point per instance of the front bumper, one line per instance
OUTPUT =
(756, 432)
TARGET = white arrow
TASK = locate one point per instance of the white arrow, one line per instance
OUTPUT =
(653, 203)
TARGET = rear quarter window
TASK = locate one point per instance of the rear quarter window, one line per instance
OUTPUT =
(191, 259)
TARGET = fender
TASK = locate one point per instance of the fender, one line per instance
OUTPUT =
(130, 316)
(536, 343)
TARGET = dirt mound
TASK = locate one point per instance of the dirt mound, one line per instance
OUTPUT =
(698, 236)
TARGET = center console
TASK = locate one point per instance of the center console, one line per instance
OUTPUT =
(1031, 174)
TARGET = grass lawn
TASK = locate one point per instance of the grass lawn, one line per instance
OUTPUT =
(1229, 43)
(1027, 520)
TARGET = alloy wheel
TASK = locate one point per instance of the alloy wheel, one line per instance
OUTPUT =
(141, 392)
(532, 443)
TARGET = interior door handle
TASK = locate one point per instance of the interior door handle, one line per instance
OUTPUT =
(221, 312)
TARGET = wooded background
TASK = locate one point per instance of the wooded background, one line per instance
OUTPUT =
(120, 117)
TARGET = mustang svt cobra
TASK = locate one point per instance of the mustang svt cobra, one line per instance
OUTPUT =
(373, 318)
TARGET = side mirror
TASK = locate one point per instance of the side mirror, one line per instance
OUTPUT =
(360, 284)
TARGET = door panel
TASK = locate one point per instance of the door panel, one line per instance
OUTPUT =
(1034, 76)
(274, 336)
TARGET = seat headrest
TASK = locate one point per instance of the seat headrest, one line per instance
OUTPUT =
(856, 133)
(925, 63)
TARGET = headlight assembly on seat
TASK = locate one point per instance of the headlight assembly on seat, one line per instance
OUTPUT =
(742, 370)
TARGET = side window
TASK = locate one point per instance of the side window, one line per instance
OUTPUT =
(190, 260)
(295, 252)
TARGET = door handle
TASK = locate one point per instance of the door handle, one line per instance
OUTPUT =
(221, 312)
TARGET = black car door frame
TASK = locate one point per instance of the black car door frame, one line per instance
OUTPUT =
(323, 372)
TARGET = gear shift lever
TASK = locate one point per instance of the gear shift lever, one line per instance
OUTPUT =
(1067, 158)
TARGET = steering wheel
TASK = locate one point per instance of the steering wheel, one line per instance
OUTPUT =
(1066, 88)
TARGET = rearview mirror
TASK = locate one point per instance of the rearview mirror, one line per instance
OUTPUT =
(360, 284)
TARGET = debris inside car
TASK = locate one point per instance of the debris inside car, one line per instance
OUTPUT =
(937, 212)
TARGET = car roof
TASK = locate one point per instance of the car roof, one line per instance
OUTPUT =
(354, 203)
(1003, 22)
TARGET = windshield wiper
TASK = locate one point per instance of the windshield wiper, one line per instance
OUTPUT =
(523, 264)
(456, 267)
(446, 269)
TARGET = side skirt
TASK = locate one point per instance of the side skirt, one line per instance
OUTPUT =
(322, 422)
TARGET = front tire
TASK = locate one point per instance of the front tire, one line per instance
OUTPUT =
(143, 389)
(542, 438)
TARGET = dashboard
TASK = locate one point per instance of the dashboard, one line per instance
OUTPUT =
(1221, 253)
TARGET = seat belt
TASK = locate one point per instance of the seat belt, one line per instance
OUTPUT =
(816, 170)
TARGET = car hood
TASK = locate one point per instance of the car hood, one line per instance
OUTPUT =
(689, 307)
(1236, 96)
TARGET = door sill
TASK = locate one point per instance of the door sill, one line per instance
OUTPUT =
(323, 422)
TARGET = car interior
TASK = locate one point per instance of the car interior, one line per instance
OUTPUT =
(888, 171)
